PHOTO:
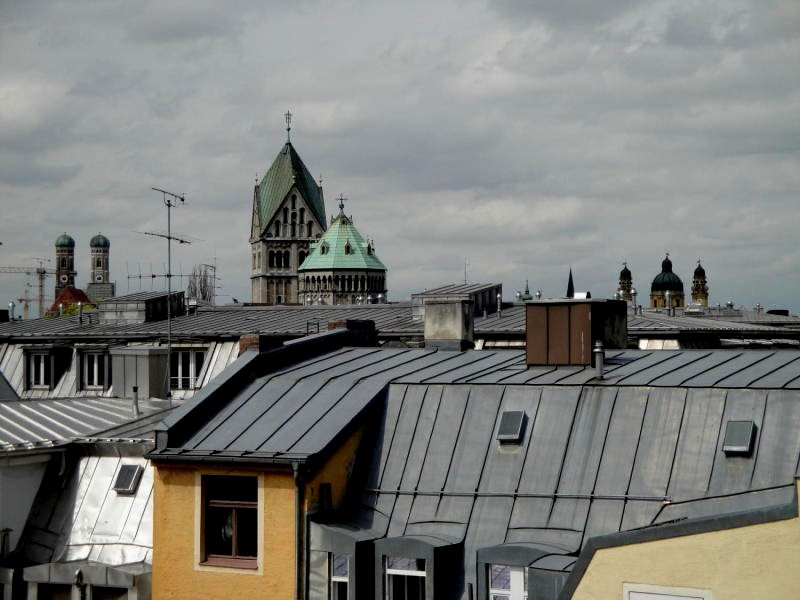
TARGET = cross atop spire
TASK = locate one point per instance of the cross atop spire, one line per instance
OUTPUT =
(342, 200)
(288, 116)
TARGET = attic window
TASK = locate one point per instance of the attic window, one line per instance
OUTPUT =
(369, 249)
(739, 438)
(323, 249)
(127, 480)
(512, 427)
(348, 249)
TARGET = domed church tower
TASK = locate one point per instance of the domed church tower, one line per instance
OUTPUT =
(666, 284)
(342, 267)
(65, 263)
(99, 286)
(626, 282)
(699, 286)
(288, 214)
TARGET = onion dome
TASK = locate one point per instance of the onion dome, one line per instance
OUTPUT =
(666, 281)
(65, 241)
(699, 272)
(100, 241)
(625, 274)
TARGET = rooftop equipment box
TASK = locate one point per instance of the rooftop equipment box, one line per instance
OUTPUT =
(563, 332)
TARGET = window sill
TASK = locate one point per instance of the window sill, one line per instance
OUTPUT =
(227, 561)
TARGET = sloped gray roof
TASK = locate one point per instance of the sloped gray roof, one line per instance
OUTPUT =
(33, 424)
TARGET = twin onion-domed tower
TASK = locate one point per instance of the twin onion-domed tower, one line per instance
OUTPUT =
(99, 285)
(288, 224)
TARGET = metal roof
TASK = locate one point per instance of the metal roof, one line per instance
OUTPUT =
(296, 412)
(79, 517)
(287, 171)
(7, 392)
(345, 248)
(391, 320)
(636, 449)
(33, 424)
(455, 289)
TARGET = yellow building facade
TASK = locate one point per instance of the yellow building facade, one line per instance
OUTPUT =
(737, 563)
(181, 567)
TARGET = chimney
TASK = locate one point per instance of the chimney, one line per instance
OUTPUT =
(362, 331)
(564, 332)
(449, 324)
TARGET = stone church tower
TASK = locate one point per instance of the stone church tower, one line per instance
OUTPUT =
(65, 263)
(699, 286)
(100, 285)
(626, 282)
(288, 214)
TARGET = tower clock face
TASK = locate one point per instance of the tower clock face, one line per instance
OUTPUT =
(98, 278)
(64, 279)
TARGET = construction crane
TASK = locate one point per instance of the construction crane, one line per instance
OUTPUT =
(40, 272)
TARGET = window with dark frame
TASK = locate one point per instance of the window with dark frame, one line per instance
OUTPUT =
(230, 521)
(508, 583)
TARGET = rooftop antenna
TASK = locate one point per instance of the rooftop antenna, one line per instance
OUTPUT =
(170, 200)
(288, 116)
(466, 263)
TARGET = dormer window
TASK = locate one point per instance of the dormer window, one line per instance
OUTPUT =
(348, 249)
(323, 249)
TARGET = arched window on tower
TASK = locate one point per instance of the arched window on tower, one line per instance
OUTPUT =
(310, 226)
(301, 257)
(277, 229)
(271, 259)
(285, 213)
(302, 215)
(294, 201)
(286, 259)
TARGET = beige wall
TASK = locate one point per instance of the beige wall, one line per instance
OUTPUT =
(746, 563)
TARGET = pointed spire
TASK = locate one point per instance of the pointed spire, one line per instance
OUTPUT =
(570, 285)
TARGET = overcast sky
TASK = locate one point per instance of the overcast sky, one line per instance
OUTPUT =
(525, 137)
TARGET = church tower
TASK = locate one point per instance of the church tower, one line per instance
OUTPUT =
(288, 214)
(99, 286)
(342, 267)
(65, 263)
(666, 290)
(699, 286)
(625, 282)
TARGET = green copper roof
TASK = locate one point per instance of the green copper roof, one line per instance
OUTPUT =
(286, 171)
(99, 241)
(341, 247)
(65, 241)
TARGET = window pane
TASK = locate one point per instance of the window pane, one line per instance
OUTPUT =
(219, 530)
(246, 532)
(500, 577)
(37, 369)
(340, 566)
(46, 378)
(90, 359)
(101, 370)
(173, 369)
(231, 488)
(339, 590)
(185, 371)
(403, 587)
(198, 362)
(405, 564)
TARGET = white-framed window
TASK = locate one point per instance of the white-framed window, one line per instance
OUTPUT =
(39, 370)
(184, 368)
(508, 583)
(643, 591)
(339, 576)
(405, 578)
(94, 370)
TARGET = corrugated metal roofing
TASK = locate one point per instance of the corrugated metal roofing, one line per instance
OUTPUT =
(27, 424)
